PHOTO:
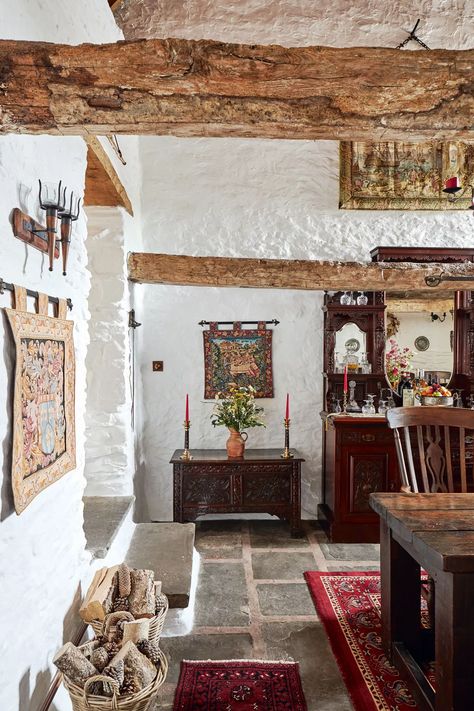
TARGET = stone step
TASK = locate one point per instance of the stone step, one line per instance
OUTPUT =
(103, 517)
(167, 549)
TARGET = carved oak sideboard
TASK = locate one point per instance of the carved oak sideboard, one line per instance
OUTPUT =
(359, 458)
(260, 482)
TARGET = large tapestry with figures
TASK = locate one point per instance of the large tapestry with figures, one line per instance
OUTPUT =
(240, 357)
(43, 411)
(404, 176)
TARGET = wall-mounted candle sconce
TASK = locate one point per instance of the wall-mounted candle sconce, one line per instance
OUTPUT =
(452, 186)
(53, 200)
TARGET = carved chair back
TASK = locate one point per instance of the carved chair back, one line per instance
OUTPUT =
(435, 448)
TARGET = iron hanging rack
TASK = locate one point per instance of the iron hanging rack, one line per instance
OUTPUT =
(273, 322)
(5, 286)
(436, 280)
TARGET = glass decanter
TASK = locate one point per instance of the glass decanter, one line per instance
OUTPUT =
(345, 299)
(337, 407)
(362, 299)
(369, 408)
(383, 407)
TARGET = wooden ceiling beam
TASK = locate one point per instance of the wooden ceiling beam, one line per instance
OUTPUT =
(150, 268)
(103, 185)
(207, 88)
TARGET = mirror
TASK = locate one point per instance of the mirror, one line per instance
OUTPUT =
(420, 336)
(351, 347)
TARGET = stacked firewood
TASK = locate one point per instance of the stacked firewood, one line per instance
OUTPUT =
(124, 600)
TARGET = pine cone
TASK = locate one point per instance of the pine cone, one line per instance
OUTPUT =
(121, 604)
(111, 648)
(100, 658)
(124, 580)
(117, 672)
(150, 650)
(128, 686)
(161, 602)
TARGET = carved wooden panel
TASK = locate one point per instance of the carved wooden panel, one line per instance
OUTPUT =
(367, 435)
(368, 473)
(207, 490)
(264, 489)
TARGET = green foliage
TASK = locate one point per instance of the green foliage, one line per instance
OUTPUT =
(237, 409)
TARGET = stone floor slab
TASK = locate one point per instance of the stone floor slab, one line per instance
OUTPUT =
(306, 643)
(221, 598)
(166, 548)
(215, 541)
(351, 551)
(273, 534)
(285, 599)
(281, 566)
(204, 646)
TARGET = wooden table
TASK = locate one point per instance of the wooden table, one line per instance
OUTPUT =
(260, 482)
(436, 532)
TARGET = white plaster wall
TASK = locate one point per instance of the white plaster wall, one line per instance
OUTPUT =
(42, 551)
(249, 198)
(439, 355)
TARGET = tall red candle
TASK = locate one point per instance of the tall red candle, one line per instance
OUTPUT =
(186, 416)
(346, 388)
(287, 411)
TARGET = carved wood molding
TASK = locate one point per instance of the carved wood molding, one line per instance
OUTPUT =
(208, 88)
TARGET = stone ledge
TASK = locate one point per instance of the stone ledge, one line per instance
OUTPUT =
(103, 517)
(167, 549)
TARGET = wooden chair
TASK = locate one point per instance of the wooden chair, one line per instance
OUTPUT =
(435, 448)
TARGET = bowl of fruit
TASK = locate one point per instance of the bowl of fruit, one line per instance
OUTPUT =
(436, 395)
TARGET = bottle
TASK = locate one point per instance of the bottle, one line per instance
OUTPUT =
(407, 393)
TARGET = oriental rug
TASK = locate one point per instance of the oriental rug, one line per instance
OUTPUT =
(348, 605)
(239, 686)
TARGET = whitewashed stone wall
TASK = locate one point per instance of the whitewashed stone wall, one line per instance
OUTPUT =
(42, 551)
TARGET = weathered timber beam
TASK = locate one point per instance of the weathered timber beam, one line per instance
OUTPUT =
(103, 185)
(149, 268)
(207, 88)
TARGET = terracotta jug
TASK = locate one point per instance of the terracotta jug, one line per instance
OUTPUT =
(235, 445)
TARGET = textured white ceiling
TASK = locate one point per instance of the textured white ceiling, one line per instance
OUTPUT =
(445, 24)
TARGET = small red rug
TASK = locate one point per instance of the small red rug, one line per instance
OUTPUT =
(239, 686)
(348, 605)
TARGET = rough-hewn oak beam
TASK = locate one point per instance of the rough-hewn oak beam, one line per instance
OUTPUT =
(207, 88)
(103, 185)
(180, 270)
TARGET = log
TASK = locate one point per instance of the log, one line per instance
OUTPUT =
(99, 598)
(73, 664)
(151, 268)
(137, 667)
(207, 88)
(111, 627)
(136, 630)
(142, 597)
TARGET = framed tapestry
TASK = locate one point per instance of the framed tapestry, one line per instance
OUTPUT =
(243, 357)
(44, 442)
(403, 176)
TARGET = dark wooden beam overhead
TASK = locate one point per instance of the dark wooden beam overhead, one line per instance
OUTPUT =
(150, 268)
(103, 185)
(207, 88)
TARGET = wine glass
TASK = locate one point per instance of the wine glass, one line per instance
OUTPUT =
(338, 407)
(383, 407)
(346, 299)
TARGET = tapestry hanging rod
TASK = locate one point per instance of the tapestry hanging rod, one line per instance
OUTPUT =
(436, 280)
(5, 286)
(273, 322)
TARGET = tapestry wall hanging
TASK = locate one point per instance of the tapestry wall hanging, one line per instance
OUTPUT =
(403, 176)
(44, 444)
(240, 357)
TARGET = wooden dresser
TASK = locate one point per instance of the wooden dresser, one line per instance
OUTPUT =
(359, 459)
(260, 482)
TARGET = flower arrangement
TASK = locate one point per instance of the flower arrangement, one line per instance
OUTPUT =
(397, 361)
(237, 409)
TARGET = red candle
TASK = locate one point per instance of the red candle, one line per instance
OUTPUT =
(345, 379)
(452, 183)
(186, 416)
(287, 411)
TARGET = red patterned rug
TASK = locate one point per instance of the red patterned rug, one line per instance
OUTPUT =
(239, 686)
(348, 604)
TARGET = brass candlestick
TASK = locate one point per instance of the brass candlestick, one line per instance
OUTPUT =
(286, 452)
(186, 455)
(344, 402)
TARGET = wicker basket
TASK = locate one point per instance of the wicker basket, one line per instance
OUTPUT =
(81, 700)
(156, 623)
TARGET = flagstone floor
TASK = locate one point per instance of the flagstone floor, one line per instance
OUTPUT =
(252, 602)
